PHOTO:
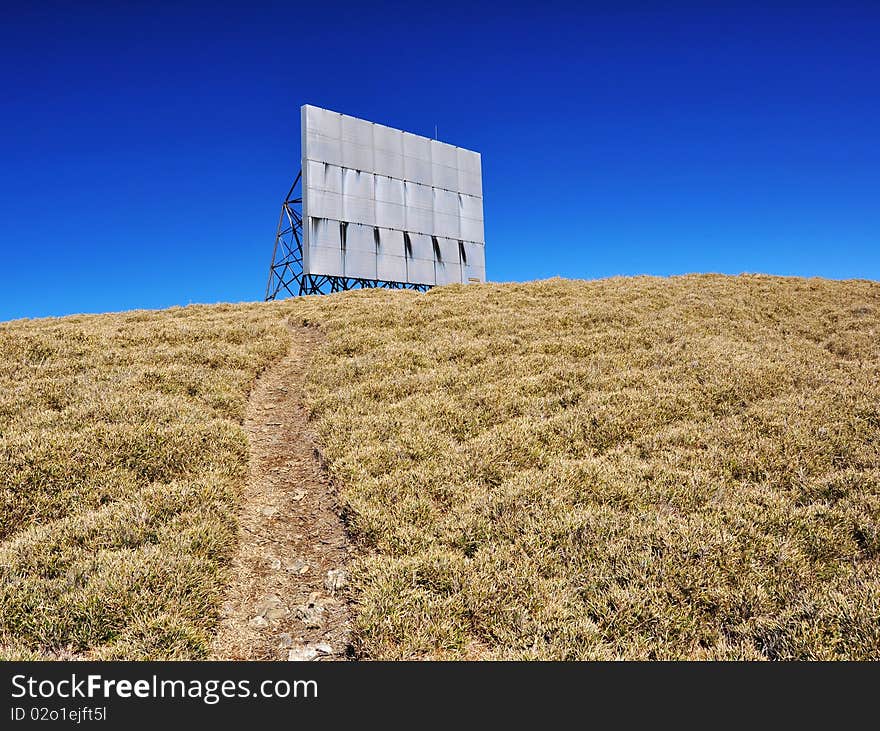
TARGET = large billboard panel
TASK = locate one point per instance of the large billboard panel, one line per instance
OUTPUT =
(380, 203)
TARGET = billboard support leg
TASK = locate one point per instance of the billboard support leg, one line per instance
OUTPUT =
(286, 271)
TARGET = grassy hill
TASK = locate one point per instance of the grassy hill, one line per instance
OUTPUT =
(626, 468)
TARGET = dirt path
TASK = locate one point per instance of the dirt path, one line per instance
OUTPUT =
(286, 597)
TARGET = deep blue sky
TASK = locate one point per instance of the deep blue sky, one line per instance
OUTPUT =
(145, 147)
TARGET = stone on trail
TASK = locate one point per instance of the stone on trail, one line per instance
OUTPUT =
(304, 653)
(272, 608)
(335, 580)
(273, 563)
(311, 613)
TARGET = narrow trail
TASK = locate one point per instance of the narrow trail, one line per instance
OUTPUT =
(286, 597)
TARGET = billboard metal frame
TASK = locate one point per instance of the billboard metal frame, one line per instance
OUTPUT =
(286, 270)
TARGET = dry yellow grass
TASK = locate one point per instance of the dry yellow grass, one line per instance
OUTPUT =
(120, 461)
(628, 468)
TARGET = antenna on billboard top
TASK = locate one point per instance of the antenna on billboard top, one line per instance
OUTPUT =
(435, 132)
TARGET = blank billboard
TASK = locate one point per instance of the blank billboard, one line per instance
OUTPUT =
(380, 203)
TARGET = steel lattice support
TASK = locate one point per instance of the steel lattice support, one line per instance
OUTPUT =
(286, 271)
